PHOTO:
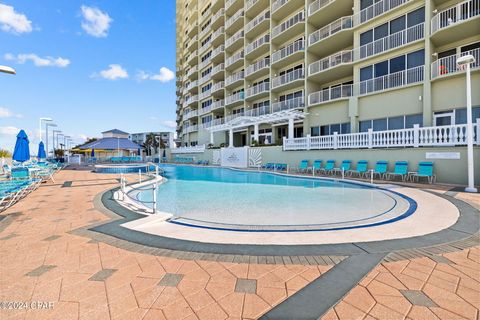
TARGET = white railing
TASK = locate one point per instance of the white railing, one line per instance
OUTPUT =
(192, 41)
(289, 104)
(234, 116)
(392, 41)
(219, 32)
(257, 20)
(299, 17)
(257, 43)
(452, 135)
(204, 79)
(218, 104)
(192, 85)
(259, 88)
(205, 46)
(234, 78)
(448, 65)
(220, 13)
(218, 86)
(205, 94)
(192, 71)
(237, 36)
(205, 63)
(277, 4)
(342, 57)
(191, 128)
(393, 80)
(229, 3)
(264, 63)
(338, 25)
(205, 110)
(195, 149)
(260, 111)
(190, 114)
(239, 96)
(231, 60)
(288, 77)
(213, 122)
(192, 99)
(232, 19)
(377, 9)
(192, 55)
(219, 50)
(463, 11)
(317, 5)
(332, 93)
(217, 69)
(288, 50)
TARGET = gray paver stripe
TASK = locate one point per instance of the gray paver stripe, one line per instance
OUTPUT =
(37, 272)
(246, 286)
(67, 184)
(171, 280)
(102, 275)
(319, 296)
(418, 298)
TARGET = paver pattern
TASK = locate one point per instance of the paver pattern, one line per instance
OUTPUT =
(87, 279)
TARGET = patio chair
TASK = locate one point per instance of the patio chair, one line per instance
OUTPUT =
(317, 165)
(20, 173)
(361, 171)
(400, 170)
(281, 167)
(381, 168)
(329, 166)
(268, 166)
(425, 170)
(346, 164)
(303, 166)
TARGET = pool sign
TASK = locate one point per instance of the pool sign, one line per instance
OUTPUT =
(234, 157)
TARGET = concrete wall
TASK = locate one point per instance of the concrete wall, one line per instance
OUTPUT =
(447, 171)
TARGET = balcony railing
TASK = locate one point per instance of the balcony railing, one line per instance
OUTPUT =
(217, 69)
(295, 103)
(237, 56)
(205, 110)
(239, 96)
(392, 41)
(299, 17)
(232, 19)
(219, 32)
(336, 26)
(193, 55)
(250, 4)
(205, 63)
(258, 19)
(218, 104)
(332, 93)
(205, 31)
(259, 88)
(219, 50)
(377, 9)
(448, 65)
(190, 114)
(317, 5)
(214, 122)
(238, 35)
(288, 50)
(192, 85)
(218, 86)
(288, 78)
(234, 116)
(195, 149)
(204, 79)
(264, 63)
(220, 13)
(277, 4)
(451, 135)
(234, 78)
(192, 71)
(192, 99)
(393, 80)
(460, 12)
(191, 128)
(342, 57)
(260, 111)
(257, 43)
(205, 94)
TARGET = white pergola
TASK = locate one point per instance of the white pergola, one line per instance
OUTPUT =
(277, 118)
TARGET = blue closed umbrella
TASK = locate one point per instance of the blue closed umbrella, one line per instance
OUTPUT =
(21, 153)
(139, 151)
(92, 154)
(41, 151)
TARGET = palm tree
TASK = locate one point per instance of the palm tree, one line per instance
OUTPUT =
(150, 143)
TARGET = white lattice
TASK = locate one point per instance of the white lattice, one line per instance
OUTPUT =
(255, 157)
(216, 157)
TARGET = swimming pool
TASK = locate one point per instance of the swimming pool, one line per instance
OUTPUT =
(123, 168)
(227, 199)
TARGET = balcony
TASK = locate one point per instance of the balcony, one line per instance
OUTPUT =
(217, 87)
(190, 114)
(282, 8)
(336, 66)
(258, 25)
(192, 73)
(233, 6)
(193, 29)
(289, 28)
(289, 54)
(214, 122)
(192, 58)
(392, 41)
(217, 19)
(218, 37)
(192, 100)
(234, 61)
(258, 69)
(235, 42)
(193, 43)
(258, 47)
(447, 66)
(321, 11)
(295, 103)
(217, 5)
(377, 9)
(205, 63)
(254, 7)
(321, 41)
(288, 80)
(234, 79)
(205, 94)
(218, 54)
(258, 91)
(192, 86)
(205, 110)
(458, 22)
(219, 104)
(204, 32)
(257, 112)
(204, 79)
(330, 94)
(235, 99)
(235, 22)
(206, 46)
(218, 72)
(391, 81)
(191, 128)
(230, 117)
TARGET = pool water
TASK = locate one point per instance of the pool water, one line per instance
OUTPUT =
(223, 198)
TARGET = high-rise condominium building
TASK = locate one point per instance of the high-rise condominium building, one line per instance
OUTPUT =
(265, 69)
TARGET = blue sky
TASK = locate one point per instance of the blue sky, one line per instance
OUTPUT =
(89, 65)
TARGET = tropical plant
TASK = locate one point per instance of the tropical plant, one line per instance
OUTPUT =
(59, 153)
(5, 153)
(151, 143)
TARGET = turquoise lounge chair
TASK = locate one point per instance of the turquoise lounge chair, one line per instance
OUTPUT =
(20, 173)
(317, 165)
(400, 170)
(425, 170)
(329, 166)
(303, 166)
(362, 168)
(346, 164)
(381, 168)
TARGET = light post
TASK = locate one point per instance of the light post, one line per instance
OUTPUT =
(466, 61)
(46, 134)
(40, 120)
(55, 145)
(8, 70)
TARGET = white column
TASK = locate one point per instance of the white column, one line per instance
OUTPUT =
(211, 137)
(290, 128)
(471, 174)
(230, 138)
(255, 132)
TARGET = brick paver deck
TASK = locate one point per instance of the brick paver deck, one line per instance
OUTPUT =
(88, 279)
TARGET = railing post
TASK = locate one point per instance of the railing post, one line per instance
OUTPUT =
(284, 144)
(155, 197)
(335, 140)
(370, 138)
(416, 135)
(140, 175)
(308, 142)
(478, 131)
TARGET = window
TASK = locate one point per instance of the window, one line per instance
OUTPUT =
(396, 123)
(397, 64)
(416, 59)
(397, 25)
(469, 47)
(461, 115)
(380, 31)
(392, 123)
(411, 120)
(207, 119)
(416, 17)
(381, 69)
(207, 103)
(315, 131)
(298, 132)
(366, 37)
(380, 125)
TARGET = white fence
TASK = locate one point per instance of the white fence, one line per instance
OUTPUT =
(453, 135)
(462, 11)
(195, 149)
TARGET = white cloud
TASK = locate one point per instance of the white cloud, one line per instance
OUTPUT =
(164, 75)
(12, 21)
(7, 113)
(38, 61)
(10, 131)
(114, 72)
(170, 124)
(95, 22)
(83, 136)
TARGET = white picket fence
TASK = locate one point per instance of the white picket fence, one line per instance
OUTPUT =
(453, 135)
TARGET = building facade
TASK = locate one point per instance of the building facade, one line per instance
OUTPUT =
(261, 70)
(141, 137)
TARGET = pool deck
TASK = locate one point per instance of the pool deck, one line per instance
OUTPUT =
(48, 254)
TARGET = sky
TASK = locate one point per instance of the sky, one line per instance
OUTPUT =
(90, 65)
